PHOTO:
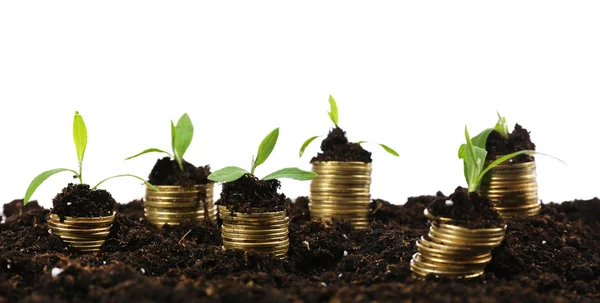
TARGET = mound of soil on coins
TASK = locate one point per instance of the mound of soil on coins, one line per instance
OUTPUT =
(337, 148)
(518, 139)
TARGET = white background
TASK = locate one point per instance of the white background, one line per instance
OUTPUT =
(409, 74)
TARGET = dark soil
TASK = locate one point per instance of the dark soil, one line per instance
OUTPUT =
(337, 148)
(78, 200)
(554, 257)
(518, 140)
(167, 172)
(249, 194)
(468, 209)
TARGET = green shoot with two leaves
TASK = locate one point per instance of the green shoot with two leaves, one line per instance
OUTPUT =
(181, 138)
(334, 116)
(474, 154)
(232, 173)
(80, 138)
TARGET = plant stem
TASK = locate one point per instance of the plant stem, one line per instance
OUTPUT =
(80, 175)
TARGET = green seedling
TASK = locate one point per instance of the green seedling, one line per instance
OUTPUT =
(334, 116)
(232, 173)
(181, 137)
(474, 154)
(80, 138)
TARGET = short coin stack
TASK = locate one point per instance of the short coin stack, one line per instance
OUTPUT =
(341, 191)
(174, 204)
(82, 234)
(453, 251)
(264, 232)
(513, 189)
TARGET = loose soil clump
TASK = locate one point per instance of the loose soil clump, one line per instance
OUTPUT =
(518, 139)
(337, 148)
(550, 258)
(249, 194)
(79, 200)
(466, 209)
(166, 171)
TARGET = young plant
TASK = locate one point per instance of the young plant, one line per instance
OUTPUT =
(80, 138)
(181, 137)
(232, 173)
(334, 116)
(474, 153)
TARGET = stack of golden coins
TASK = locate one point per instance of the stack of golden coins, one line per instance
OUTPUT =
(263, 232)
(83, 234)
(453, 251)
(174, 204)
(513, 189)
(342, 190)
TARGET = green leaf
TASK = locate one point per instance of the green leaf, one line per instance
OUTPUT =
(333, 113)
(385, 147)
(150, 150)
(227, 174)
(474, 161)
(173, 135)
(80, 136)
(126, 175)
(265, 148)
(292, 173)
(481, 139)
(37, 181)
(184, 132)
(502, 126)
(306, 143)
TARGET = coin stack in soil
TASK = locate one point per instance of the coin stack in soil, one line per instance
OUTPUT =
(83, 234)
(174, 204)
(454, 251)
(342, 190)
(513, 189)
(264, 232)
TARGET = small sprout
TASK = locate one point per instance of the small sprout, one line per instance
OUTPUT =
(232, 173)
(474, 154)
(502, 126)
(334, 116)
(181, 138)
(80, 138)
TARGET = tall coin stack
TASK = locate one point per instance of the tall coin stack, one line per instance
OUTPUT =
(342, 190)
(263, 232)
(513, 189)
(174, 204)
(83, 234)
(453, 251)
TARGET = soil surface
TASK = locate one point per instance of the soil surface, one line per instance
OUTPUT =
(78, 200)
(550, 258)
(249, 194)
(518, 139)
(467, 209)
(167, 172)
(337, 148)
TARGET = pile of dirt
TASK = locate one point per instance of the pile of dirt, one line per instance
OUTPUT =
(550, 258)
(166, 171)
(79, 200)
(249, 194)
(466, 209)
(336, 147)
(518, 139)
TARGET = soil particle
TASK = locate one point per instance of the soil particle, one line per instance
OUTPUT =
(167, 172)
(78, 200)
(326, 263)
(337, 148)
(249, 194)
(518, 139)
(467, 209)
